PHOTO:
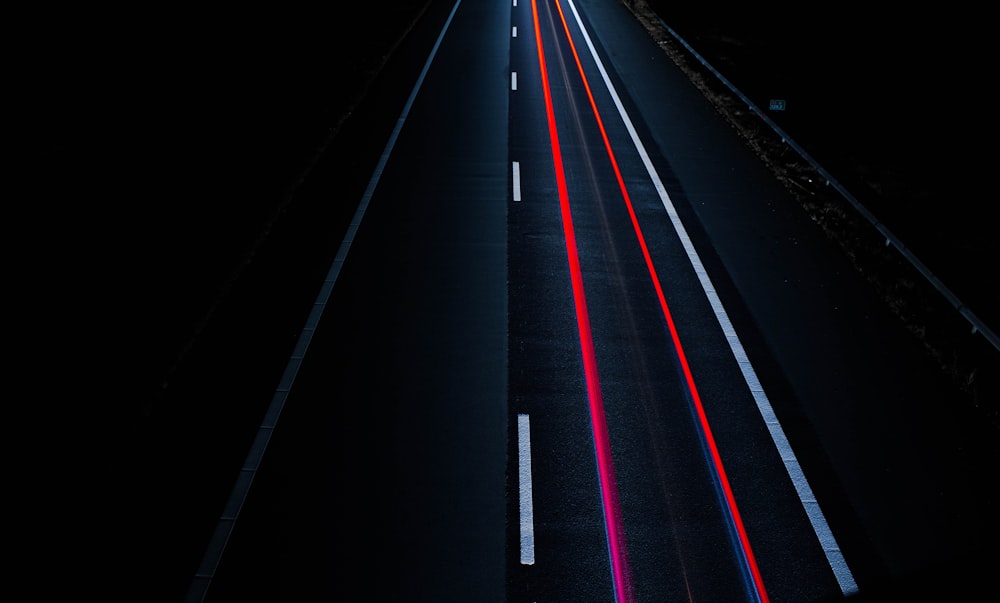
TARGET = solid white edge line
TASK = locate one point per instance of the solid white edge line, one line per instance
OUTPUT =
(834, 556)
(517, 180)
(201, 582)
(524, 489)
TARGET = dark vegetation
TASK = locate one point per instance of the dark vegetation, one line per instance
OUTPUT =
(889, 105)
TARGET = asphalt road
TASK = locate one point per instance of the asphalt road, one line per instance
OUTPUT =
(455, 314)
(452, 319)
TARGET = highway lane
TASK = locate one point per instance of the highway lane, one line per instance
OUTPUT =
(680, 532)
(387, 473)
(455, 314)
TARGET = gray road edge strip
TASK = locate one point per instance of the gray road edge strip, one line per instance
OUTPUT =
(202, 580)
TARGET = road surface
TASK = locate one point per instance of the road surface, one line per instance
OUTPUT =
(578, 344)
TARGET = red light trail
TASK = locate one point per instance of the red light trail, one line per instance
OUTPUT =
(609, 490)
(616, 538)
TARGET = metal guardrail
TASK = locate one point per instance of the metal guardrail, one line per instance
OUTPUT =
(978, 326)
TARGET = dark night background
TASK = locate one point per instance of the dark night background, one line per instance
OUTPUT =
(164, 236)
(888, 101)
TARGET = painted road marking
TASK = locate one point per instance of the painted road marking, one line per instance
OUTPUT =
(524, 481)
(517, 181)
(513, 80)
